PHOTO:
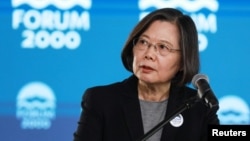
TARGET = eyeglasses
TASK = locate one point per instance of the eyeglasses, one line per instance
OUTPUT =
(161, 48)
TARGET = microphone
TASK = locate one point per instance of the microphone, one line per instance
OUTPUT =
(200, 81)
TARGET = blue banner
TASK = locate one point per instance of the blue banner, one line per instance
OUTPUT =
(52, 50)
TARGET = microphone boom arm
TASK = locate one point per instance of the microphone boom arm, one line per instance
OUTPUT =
(189, 103)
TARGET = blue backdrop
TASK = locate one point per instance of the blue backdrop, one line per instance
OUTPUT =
(52, 50)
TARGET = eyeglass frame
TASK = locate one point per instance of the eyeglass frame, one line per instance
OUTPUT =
(148, 45)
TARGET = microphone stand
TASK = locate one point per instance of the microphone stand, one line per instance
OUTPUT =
(190, 102)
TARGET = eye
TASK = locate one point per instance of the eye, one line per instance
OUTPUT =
(163, 47)
(142, 42)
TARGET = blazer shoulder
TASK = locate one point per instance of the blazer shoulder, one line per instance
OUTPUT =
(109, 89)
(188, 92)
(98, 91)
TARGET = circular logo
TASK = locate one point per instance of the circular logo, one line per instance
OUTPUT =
(177, 121)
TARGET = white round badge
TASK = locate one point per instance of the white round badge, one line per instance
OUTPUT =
(177, 121)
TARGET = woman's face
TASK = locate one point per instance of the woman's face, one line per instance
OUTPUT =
(151, 63)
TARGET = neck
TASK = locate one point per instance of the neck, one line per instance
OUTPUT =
(154, 93)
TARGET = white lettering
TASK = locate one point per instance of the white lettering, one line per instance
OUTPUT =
(17, 17)
(244, 133)
(57, 39)
(35, 123)
(216, 132)
(72, 40)
(204, 24)
(52, 20)
(203, 42)
(48, 23)
(32, 19)
(62, 21)
(28, 41)
(79, 22)
(42, 39)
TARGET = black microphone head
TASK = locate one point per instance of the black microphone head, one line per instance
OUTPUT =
(200, 81)
(197, 77)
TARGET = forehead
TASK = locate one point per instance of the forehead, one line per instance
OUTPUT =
(162, 31)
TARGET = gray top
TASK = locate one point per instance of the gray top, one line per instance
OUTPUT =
(152, 114)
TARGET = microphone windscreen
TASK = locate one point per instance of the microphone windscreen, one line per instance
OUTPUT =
(197, 77)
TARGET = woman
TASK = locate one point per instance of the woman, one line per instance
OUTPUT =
(162, 55)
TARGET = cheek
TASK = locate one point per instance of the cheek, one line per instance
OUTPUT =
(135, 64)
(171, 64)
(177, 66)
(138, 57)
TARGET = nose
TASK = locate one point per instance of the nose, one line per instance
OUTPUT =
(150, 52)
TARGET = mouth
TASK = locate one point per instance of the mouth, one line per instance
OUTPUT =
(146, 69)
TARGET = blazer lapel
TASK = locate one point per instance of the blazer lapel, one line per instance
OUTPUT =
(133, 120)
(169, 132)
(131, 109)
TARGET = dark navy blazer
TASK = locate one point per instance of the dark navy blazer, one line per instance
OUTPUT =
(112, 113)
